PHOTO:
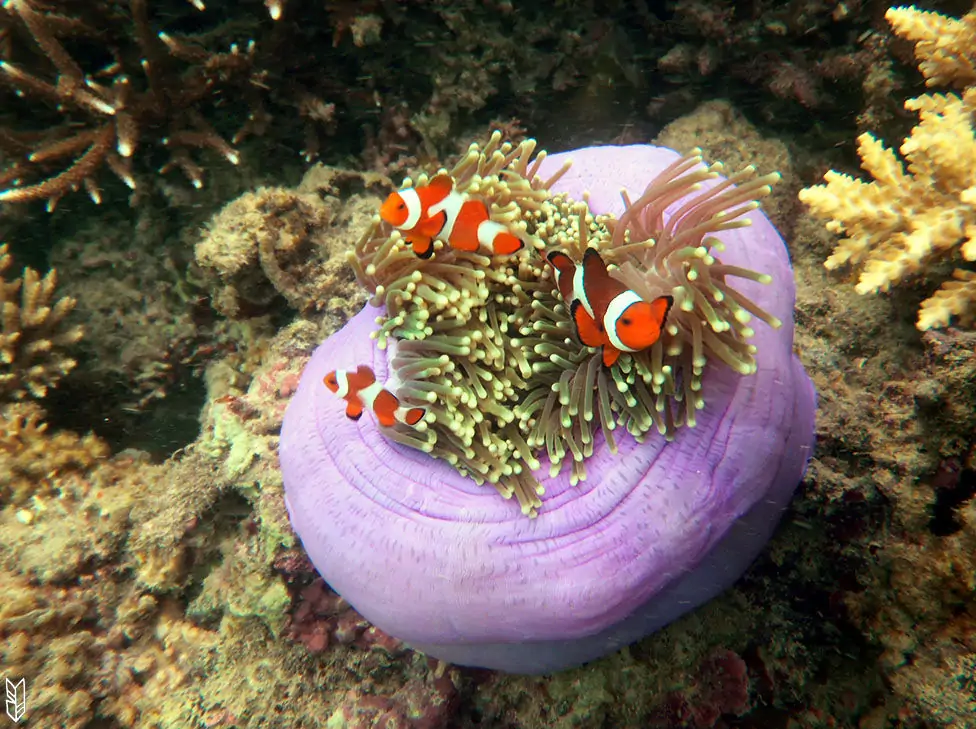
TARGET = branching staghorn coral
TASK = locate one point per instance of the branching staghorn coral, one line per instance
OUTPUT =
(108, 113)
(488, 347)
(905, 220)
(31, 333)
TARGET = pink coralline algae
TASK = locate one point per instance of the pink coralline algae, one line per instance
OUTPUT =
(443, 563)
(323, 618)
(721, 686)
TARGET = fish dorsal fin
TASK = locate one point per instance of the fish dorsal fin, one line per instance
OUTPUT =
(594, 269)
(442, 182)
(365, 371)
(599, 285)
(363, 377)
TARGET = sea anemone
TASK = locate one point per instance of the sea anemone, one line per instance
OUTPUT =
(643, 525)
(488, 347)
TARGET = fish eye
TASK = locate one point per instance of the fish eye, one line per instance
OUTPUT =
(625, 321)
(401, 206)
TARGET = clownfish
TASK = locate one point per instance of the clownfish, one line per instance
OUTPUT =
(435, 211)
(606, 312)
(361, 390)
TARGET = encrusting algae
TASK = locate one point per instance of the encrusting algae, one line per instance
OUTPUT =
(903, 222)
(488, 347)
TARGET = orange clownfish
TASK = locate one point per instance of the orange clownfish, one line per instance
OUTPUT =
(435, 211)
(361, 390)
(606, 312)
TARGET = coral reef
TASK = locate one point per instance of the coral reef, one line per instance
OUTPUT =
(33, 459)
(768, 47)
(159, 596)
(904, 222)
(148, 328)
(285, 242)
(721, 687)
(32, 333)
(918, 606)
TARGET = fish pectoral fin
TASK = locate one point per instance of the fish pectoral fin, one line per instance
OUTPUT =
(431, 225)
(610, 355)
(354, 409)
(423, 246)
(589, 333)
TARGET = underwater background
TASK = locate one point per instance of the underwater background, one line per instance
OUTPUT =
(238, 150)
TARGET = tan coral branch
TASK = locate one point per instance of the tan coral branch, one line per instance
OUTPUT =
(920, 207)
(32, 333)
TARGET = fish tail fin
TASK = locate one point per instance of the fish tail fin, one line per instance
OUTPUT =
(505, 244)
(410, 416)
(498, 238)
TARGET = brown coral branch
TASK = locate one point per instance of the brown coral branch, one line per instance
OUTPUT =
(30, 456)
(28, 84)
(53, 188)
(63, 147)
(39, 27)
(275, 8)
(115, 113)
